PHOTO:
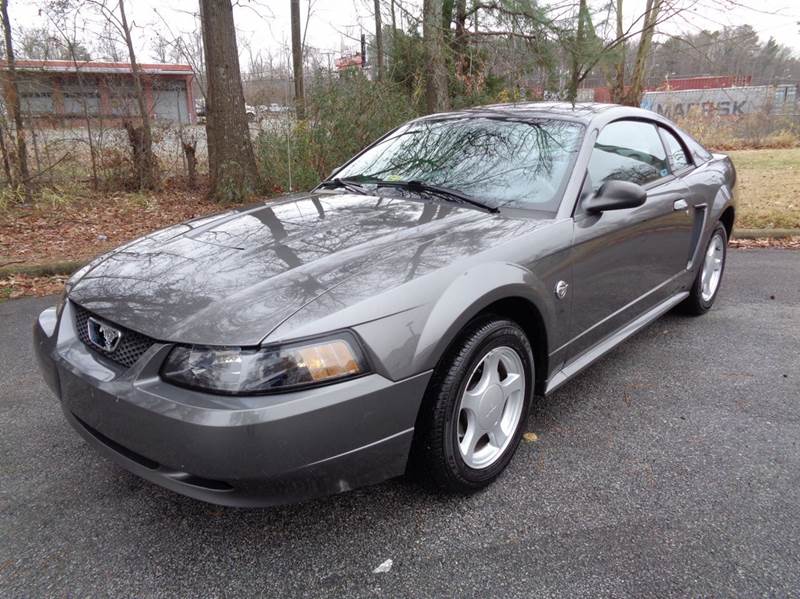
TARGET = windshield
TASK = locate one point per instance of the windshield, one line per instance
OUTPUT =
(498, 161)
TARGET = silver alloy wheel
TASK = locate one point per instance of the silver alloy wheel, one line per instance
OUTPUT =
(490, 407)
(712, 268)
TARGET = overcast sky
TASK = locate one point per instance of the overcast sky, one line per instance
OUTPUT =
(336, 24)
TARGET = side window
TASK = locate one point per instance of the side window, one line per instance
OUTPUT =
(700, 154)
(628, 151)
(678, 160)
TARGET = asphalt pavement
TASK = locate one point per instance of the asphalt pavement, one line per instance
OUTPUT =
(671, 467)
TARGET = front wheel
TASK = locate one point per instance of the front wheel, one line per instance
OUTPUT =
(706, 284)
(475, 408)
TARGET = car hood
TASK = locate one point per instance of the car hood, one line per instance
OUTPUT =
(233, 278)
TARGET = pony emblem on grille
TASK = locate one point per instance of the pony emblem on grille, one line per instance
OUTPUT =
(102, 335)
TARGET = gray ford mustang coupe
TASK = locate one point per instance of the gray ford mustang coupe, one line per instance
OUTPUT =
(403, 313)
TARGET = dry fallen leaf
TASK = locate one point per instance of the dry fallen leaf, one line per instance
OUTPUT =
(17, 286)
(785, 243)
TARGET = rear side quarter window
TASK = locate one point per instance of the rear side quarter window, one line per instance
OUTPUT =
(699, 154)
(678, 157)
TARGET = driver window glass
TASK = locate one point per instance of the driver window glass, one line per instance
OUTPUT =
(678, 159)
(628, 151)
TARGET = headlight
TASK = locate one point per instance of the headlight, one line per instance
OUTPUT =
(239, 371)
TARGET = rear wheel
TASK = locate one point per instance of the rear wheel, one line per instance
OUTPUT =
(475, 408)
(706, 285)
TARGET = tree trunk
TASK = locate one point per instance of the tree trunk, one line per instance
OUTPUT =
(461, 22)
(12, 101)
(633, 96)
(447, 19)
(87, 120)
(618, 84)
(146, 168)
(436, 99)
(577, 53)
(379, 39)
(190, 151)
(297, 62)
(4, 153)
(460, 40)
(231, 163)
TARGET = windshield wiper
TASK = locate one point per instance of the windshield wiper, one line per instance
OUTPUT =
(443, 192)
(347, 184)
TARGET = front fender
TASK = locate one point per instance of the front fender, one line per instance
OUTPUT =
(413, 341)
(470, 294)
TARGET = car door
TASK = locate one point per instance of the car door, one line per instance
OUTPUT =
(627, 261)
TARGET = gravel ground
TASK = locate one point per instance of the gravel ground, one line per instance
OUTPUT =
(669, 468)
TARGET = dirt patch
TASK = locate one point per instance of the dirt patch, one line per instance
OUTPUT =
(79, 229)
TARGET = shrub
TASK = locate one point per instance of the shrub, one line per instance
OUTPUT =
(10, 197)
(343, 115)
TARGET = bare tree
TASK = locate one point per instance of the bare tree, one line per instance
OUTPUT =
(379, 39)
(582, 45)
(297, 61)
(65, 22)
(460, 39)
(40, 43)
(188, 47)
(160, 47)
(3, 149)
(141, 136)
(107, 45)
(436, 95)
(231, 162)
(141, 139)
(13, 104)
(617, 87)
(733, 50)
(633, 95)
(587, 51)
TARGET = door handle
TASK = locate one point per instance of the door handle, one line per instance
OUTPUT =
(680, 205)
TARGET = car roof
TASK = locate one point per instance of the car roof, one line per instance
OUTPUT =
(582, 112)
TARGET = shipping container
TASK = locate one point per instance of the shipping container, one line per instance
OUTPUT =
(724, 102)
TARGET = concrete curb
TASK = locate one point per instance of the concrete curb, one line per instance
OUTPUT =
(67, 267)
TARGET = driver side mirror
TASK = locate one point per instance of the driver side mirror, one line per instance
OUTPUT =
(616, 195)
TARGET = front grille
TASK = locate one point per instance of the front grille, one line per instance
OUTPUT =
(131, 344)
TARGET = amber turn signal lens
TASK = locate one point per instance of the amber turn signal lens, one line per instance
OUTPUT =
(328, 360)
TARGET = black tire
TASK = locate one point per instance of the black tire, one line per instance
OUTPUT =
(435, 454)
(695, 305)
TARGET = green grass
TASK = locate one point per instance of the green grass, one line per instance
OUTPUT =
(768, 188)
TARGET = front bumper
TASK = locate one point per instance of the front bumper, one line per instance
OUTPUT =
(238, 451)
